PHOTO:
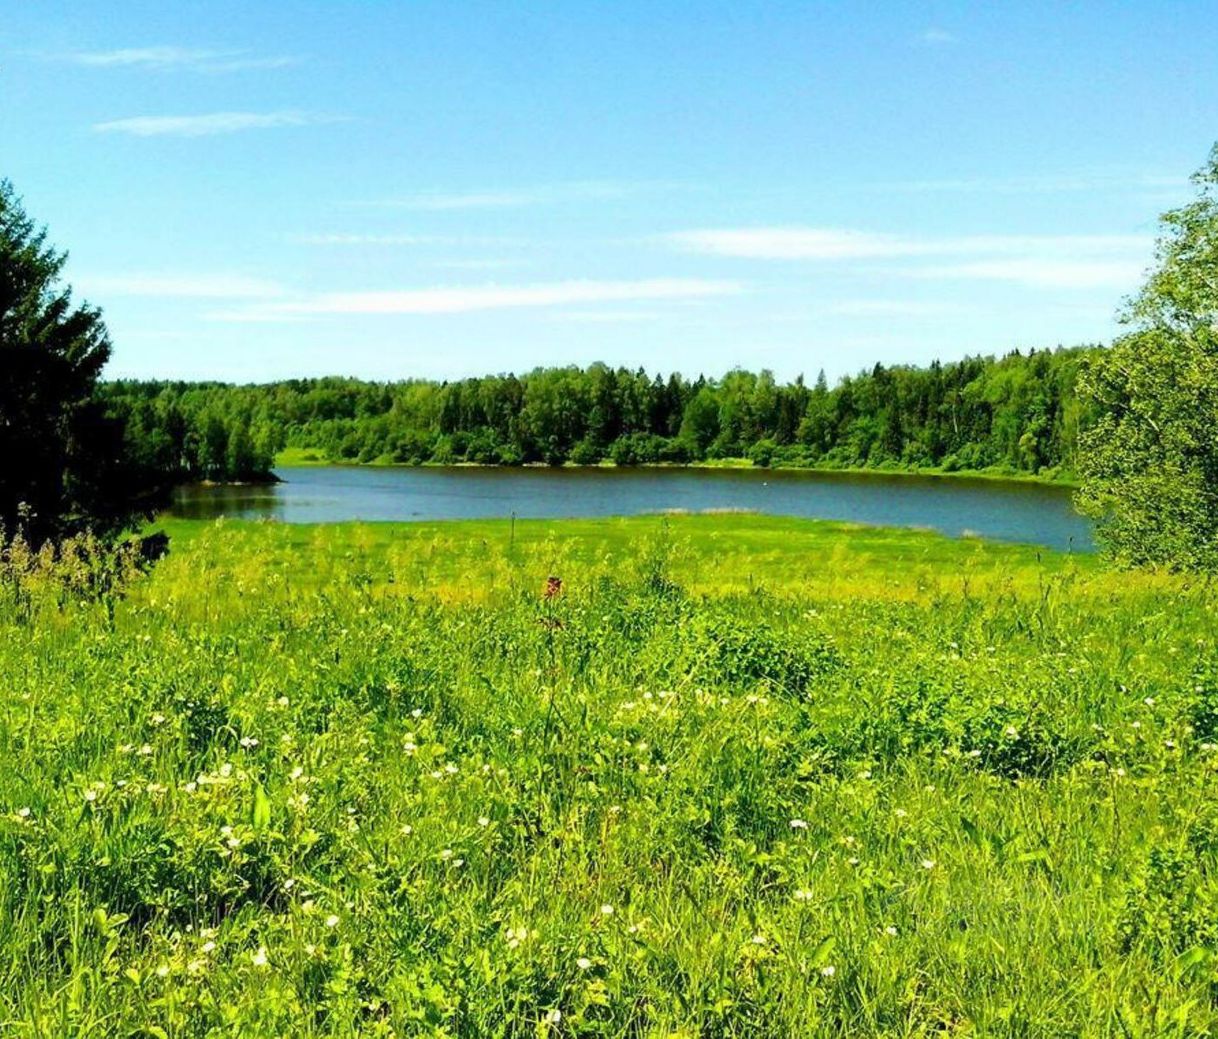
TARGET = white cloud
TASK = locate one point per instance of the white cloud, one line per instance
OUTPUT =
(935, 37)
(466, 299)
(791, 243)
(1040, 272)
(184, 286)
(169, 57)
(814, 243)
(205, 125)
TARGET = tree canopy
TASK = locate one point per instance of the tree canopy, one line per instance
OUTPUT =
(1149, 462)
(63, 463)
(1018, 414)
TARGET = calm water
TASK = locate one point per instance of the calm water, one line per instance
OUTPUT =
(1011, 511)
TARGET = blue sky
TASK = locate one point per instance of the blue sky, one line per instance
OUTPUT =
(254, 191)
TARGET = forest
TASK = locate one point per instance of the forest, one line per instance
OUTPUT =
(1018, 414)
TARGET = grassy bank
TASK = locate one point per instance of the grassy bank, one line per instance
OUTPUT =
(736, 776)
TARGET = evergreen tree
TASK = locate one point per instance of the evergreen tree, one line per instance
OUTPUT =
(64, 464)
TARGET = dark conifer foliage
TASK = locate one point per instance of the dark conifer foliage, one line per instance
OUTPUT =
(63, 460)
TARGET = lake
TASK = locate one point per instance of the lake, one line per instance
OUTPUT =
(1004, 510)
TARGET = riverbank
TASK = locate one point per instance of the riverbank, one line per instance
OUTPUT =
(299, 458)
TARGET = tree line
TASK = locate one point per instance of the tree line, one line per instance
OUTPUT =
(1016, 414)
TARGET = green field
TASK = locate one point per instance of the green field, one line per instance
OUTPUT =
(738, 776)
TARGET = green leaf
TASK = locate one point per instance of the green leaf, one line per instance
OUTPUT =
(260, 816)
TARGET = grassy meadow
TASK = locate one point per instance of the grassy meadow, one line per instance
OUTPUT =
(723, 776)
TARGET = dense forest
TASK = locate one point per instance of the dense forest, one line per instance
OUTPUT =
(1017, 414)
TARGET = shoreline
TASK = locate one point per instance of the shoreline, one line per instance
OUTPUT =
(295, 460)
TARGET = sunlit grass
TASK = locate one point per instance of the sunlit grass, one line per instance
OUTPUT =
(739, 776)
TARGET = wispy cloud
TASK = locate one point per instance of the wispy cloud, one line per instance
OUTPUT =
(790, 243)
(170, 57)
(466, 299)
(1045, 272)
(179, 286)
(206, 125)
(1043, 261)
(935, 37)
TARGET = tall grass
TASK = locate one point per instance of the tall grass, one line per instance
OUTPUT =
(364, 781)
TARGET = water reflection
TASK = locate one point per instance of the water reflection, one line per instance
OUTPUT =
(1005, 510)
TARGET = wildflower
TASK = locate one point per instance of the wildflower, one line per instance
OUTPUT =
(190, 787)
(553, 587)
(828, 972)
(90, 794)
(803, 895)
(23, 813)
(890, 931)
(483, 821)
(258, 959)
(865, 774)
(158, 719)
(553, 1016)
(516, 936)
(145, 750)
(900, 813)
(409, 747)
(1011, 731)
(606, 910)
(583, 963)
(226, 770)
(1149, 701)
(798, 824)
(928, 863)
(758, 939)
(207, 947)
(282, 701)
(446, 854)
(296, 773)
(417, 712)
(852, 861)
(407, 830)
(163, 970)
(332, 920)
(248, 742)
